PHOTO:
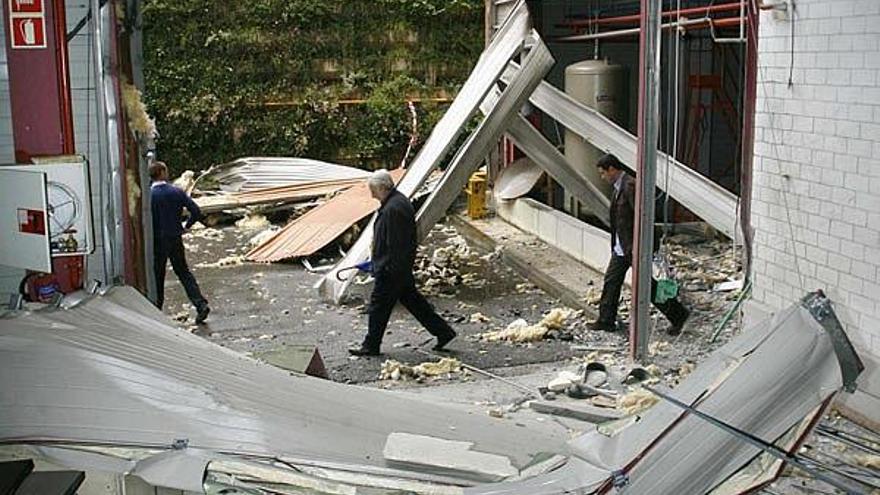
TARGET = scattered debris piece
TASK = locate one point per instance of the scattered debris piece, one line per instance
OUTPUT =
(395, 370)
(207, 233)
(576, 410)
(479, 318)
(520, 331)
(252, 222)
(235, 260)
(636, 401)
(186, 181)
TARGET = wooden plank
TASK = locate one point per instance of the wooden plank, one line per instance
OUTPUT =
(576, 410)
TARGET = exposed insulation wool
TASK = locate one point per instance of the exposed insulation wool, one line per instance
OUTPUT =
(134, 194)
(636, 401)
(520, 331)
(223, 262)
(263, 236)
(659, 347)
(868, 460)
(186, 180)
(252, 222)
(479, 318)
(395, 370)
(206, 233)
(555, 319)
(136, 111)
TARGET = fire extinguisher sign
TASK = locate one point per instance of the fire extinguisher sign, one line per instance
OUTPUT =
(27, 24)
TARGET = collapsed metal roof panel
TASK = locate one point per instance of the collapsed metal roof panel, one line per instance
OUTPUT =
(110, 371)
(307, 234)
(250, 173)
(711, 202)
(768, 381)
(508, 41)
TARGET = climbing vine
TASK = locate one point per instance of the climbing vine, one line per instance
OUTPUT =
(314, 78)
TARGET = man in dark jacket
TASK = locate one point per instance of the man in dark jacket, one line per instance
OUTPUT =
(393, 255)
(168, 203)
(622, 223)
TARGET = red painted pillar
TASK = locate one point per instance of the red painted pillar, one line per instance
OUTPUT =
(39, 93)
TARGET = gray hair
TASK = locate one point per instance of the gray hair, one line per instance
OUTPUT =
(380, 181)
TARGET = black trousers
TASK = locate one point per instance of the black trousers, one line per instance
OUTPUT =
(387, 291)
(171, 248)
(615, 274)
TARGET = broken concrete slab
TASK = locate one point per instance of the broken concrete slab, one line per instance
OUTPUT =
(576, 410)
(447, 456)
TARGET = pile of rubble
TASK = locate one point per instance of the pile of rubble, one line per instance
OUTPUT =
(519, 331)
(395, 370)
(439, 272)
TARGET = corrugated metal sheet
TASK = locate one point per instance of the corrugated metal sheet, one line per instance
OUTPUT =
(109, 371)
(307, 234)
(766, 381)
(271, 195)
(251, 173)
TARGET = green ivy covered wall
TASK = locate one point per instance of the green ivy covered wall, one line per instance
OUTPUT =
(312, 78)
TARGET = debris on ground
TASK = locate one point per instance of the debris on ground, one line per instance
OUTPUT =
(395, 370)
(207, 233)
(636, 401)
(228, 261)
(252, 222)
(479, 318)
(263, 236)
(519, 331)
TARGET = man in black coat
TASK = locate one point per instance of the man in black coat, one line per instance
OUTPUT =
(393, 256)
(622, 223)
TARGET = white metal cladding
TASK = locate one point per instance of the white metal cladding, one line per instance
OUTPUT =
(711, 202)
(535, 66)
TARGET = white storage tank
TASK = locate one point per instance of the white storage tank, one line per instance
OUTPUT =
(601, 85)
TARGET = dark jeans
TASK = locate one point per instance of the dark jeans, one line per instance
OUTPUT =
(171, 248)
(387, 291)
(615, 274)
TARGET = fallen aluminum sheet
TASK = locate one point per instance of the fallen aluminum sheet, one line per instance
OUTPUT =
(536, 64)
(309, 233)
(107, 371)
(711, 202)
(766, 381)
(272, 195)
(507, 43)
(517, 179)
(248, 174)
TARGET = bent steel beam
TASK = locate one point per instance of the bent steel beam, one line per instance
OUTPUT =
(507, 43)
(708, 200)
(536, 64)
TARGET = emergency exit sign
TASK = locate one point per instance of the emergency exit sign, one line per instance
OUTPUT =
(27, 24)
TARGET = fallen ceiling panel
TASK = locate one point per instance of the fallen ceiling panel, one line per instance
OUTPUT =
(711, 202)
(507, 42)
(307, 234)
(272, 195)
(107, 371)
(536, 64)
(248, 174)
(769, 381)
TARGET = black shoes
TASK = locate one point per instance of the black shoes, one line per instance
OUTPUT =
(364, 351)
(442, 341)
(202, 313)
(602, 325)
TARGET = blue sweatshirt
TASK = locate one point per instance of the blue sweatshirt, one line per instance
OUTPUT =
(168, 204)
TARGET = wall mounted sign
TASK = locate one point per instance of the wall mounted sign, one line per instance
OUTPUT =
(27, 24)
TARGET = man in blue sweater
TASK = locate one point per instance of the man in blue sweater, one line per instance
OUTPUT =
(168, 203)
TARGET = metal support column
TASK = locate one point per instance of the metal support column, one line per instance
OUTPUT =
(649, 99)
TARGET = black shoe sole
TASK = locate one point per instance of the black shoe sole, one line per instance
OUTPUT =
(364, 353)
(201, 316)
(441, 344)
